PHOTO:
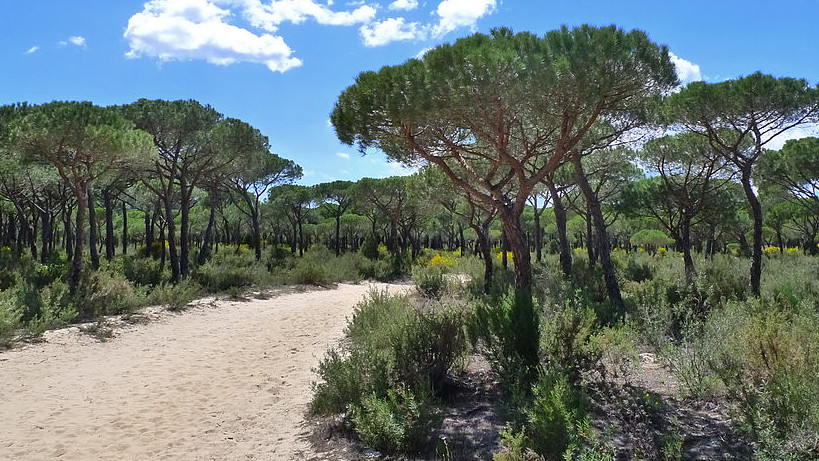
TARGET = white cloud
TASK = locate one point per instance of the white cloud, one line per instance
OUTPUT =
(804, 131)
(453, 14)
(198, 29)
(423, 52)
(33, 50)
(406, 5)
(687, 71)
(390, 30)
(75, 40)
(269, 16)
(343, 155)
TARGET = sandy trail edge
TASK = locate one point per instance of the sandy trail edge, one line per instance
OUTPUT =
(226, 382)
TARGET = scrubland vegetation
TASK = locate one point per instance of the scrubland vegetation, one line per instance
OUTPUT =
(573, 209)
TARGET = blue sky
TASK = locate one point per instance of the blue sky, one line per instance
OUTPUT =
(280, 64)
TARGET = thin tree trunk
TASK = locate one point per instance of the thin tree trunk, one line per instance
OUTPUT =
(612, 286)
(207, 243)
(171, 239)
(124, 228)
(756, 214)
(93, 232)
(685, 243)
(109, 225)
(562, 236)
(184, 228)
(486, 252)
(75, 275)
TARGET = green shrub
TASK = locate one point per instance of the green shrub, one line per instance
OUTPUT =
(429, 281)
(498, 326)
(400, 422)
(110, 293)
(768, 359)
(309, 273)
(639, 271)
(142, 271)
(385, 376)
(555, 425)
(348, 375)
(175, 297)
(9, 320)
(566, 339)
(428, 346)
(370, 247)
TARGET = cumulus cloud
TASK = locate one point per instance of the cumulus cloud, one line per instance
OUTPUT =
(406, 5)
(198, 29)
(343, 155)
(269, 16)
(687, 71)
(390, 30)
(33, 50)
(453, 14)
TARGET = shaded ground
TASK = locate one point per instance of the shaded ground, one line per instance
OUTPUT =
(471, 425)
(644, 419)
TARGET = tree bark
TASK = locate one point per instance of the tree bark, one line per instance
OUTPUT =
(184, 228)
(75, 274)
(562, 236)
(685, 243)
(485, 249)
(171, 239)
(93, 232)
(124, 228)
(756, 214)
(109, 224)
(207, 242)
(610, 276)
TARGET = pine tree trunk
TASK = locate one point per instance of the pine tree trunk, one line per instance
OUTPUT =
(596, 213)
(562, 236)
(109, 225)
(756, 214)
(93, 232)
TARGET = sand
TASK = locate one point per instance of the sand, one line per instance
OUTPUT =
(223, 381)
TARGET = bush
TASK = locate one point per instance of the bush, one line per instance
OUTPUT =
(430, 282)
(555, 425)
(370, 247)
(497, 325)
(639, 271)
(142, 271)
(767, 358)
(387, 375)
(175, 297)
(566, 335)
(110, 293)
(427, 347)
(399, 422)
(232, 270)
(9, 320)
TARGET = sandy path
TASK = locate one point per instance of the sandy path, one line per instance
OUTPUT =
(228, 382)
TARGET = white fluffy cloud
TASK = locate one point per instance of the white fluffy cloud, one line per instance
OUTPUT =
(406, 5)
(390, 30)
(343, 155)
(33, 50)
(208, 29)
(198, 29)
(687, 71)
(269, 16)
(453, 14)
